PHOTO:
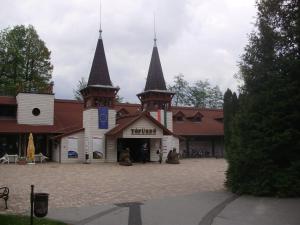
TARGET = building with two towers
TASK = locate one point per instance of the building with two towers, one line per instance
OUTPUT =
(68, 130)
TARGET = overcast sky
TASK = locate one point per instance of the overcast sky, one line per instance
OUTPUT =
(202, 39)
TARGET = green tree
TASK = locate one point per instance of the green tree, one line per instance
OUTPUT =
(82, 83)
(180, 87)
(263, 156)
(214, 98)
(24, 61)
(230, 108)
(200, 94)
(203, 95)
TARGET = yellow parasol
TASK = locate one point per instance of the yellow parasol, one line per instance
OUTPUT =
(30, 148)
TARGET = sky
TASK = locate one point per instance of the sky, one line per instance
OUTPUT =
(201, 39)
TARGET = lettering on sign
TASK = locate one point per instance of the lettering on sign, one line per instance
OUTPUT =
(143, 131)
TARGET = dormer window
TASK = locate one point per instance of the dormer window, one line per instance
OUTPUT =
(196, 119)
(122, 112)
(179, 118)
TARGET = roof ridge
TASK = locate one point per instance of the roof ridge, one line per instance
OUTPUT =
(196, 108)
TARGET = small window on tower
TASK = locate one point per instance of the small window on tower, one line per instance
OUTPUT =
(36, 111)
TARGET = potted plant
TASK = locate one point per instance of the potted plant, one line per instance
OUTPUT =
(22, 161)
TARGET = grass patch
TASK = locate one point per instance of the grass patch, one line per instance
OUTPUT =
(25, 220)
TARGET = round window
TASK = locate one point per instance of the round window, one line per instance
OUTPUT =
(36, 111)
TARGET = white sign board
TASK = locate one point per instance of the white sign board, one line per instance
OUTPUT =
(72, 147)
(98, 152)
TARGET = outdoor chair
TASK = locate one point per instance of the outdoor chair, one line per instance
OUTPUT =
(4, 159)
(40, 157)
(4, 192)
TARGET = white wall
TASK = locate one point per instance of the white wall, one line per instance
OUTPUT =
(154, 146)
(140, 124)
(90, 123)
(111, 150)
(64, 148)
(55, 152)
(27, 102)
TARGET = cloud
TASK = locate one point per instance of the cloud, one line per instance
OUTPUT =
(201, 39)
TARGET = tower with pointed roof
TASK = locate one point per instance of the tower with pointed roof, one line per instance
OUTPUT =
(99, 90)
(155, 95)
(99, 98)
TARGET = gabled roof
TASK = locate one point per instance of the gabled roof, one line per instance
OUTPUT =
(155, 78)
(99, 74)
(178, 113)
(196, 114)
(127, 121)
(123, 110)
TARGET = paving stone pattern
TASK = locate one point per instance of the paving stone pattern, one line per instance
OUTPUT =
(77, 185)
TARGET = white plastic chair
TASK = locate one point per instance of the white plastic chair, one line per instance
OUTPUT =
(4, 159)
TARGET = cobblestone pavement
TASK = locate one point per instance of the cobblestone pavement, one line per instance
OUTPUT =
(77, 185)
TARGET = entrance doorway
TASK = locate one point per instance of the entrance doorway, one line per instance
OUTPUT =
(136, 148)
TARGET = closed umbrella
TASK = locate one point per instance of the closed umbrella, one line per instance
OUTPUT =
(30, 148)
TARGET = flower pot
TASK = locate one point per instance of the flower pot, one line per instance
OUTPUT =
(22, 162)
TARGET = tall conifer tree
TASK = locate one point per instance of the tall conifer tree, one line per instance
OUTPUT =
(264, 156)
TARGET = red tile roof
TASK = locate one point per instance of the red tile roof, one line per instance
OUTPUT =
(210, 122)
(209, 125)
(7, 100)
(68, 117)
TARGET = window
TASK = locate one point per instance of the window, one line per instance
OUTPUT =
(197, 119)
(8, 111)
(179, 118)
(36, 111)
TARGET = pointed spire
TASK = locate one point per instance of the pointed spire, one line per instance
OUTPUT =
(155, 78)
(99, 74)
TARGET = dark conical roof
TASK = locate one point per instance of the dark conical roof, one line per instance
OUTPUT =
(155, 78)
(99, 74)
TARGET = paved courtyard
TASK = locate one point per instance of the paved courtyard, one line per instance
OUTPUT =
(77, 185)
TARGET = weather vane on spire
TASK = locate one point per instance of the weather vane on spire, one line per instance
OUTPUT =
(155, 39)
(100, 31)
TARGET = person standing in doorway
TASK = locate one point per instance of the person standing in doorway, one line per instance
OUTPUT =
(145, 152)
(160, 154)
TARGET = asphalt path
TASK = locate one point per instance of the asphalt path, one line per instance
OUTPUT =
(205, 208)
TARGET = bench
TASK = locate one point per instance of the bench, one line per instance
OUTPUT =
(4, 192)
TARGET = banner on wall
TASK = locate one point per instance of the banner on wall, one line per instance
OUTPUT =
(97, 148)
(103, 117)
(73, 147)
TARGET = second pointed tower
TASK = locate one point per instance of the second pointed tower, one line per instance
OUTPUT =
(155, 98)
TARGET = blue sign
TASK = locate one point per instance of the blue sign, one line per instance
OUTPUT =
(103, 117)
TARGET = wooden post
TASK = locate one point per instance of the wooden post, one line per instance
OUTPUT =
(31, 204)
